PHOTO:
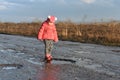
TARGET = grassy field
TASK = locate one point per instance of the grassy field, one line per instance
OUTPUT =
(106, 33)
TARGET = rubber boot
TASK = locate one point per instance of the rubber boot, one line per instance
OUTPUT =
(48, 57)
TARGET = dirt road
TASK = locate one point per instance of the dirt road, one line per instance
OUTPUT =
(21, 58)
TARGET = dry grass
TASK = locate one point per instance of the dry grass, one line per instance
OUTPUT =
(26, 29)
(100, 33)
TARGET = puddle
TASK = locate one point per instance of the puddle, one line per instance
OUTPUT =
(11, 66)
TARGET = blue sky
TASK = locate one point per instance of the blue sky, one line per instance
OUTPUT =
(74, 10)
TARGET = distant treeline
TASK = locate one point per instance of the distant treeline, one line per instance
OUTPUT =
(99, 33)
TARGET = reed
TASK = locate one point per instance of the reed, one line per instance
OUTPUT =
(99, 33)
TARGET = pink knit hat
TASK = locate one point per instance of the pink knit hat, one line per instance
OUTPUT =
(52, 18)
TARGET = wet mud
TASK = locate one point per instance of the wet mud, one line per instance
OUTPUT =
(22, 58)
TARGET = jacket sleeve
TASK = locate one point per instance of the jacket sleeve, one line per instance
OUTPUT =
(40, 33)
(55, 35)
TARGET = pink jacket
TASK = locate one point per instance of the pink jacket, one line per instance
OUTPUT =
(48, 32)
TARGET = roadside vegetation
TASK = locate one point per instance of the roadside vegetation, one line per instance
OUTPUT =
(105, 33)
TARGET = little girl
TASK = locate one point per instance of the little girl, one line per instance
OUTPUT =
(48, 34)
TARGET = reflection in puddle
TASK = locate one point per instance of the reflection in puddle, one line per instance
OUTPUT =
(49, 72)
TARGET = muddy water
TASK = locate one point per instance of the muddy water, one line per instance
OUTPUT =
(72, 60)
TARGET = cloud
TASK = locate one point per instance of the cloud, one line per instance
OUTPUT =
(62, 2)
(106, 3)
(5, 5)
(32, 0)
(88, 1)
(2, 7)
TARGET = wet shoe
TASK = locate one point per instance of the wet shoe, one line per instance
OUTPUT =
(48, 57)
